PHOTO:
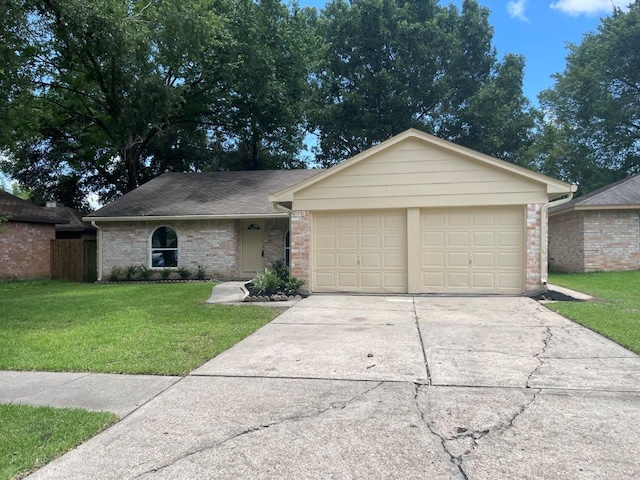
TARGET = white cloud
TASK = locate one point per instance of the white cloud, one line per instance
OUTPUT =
(516, 10)
(588, 7)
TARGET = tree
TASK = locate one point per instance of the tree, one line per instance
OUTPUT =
(111, 84)
(388, 65)
(593, 109)
(269, 88)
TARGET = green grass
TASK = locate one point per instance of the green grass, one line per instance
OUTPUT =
(138, 329)
(617, 317)
(32, 436)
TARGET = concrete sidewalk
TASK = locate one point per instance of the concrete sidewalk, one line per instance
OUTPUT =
(120, 394)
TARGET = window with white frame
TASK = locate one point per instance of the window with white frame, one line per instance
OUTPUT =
(164, 248)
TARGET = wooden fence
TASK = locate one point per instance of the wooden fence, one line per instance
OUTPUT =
(74, 260)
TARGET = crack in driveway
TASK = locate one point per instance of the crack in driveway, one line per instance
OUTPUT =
(257, 428)
(545, 343)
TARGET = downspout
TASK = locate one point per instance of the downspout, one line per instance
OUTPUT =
(544, 227)
(98, 249)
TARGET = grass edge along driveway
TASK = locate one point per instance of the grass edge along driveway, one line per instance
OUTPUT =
(161, 329)
(31, 437)
(616, 317)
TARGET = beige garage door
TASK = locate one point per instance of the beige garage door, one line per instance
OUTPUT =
(478, 250)
(360, 252)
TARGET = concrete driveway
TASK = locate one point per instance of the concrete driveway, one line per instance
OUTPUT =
(347, 387)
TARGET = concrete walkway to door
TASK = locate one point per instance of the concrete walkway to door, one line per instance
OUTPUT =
(352, 387)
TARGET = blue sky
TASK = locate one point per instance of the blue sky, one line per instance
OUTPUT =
(537, 29)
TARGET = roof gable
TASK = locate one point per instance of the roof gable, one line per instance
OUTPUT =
(552, 187)
(214, 194)
(624, 194)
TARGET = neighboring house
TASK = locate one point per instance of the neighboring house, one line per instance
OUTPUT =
(75, 228)
(415, 214)
(25, 239)
(599, 231)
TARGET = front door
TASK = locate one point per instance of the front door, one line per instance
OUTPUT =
(252, 246)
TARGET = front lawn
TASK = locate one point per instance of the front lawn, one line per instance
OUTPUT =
(133, 328)
(33, 436)
(618, 317)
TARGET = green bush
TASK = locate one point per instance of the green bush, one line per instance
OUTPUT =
(130, 272)
(165, 273)
(292, 285)
(281, 270)
(201, 273)
(144, 273)
(267, 282)
(114, 273)
(184, 273)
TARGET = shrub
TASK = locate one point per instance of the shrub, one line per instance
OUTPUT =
(144, 273)
(281, 270)
(165, 273)
(267, 282)
(114, 273)
(130, 272)
(292, 285)
(184, 273)
(201, 273)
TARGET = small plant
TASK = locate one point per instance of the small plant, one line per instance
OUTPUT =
(165, 273)
(130, 272)
(292, 285)
(281, 270)
(267, 282)
(184, 273)
(114, 273)
(201, 273)
(144, 273)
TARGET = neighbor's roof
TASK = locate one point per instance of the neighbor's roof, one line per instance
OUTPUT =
(624, 194)
(215, 194)
(19, 210)
(73, 218)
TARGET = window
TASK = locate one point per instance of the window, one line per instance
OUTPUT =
(287, 248)
(164, 248)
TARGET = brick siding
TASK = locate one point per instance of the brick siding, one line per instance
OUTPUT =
(25, 250)
(533, 273)
(275, 231)
(595, 240)
(300, 246)
(214, 244)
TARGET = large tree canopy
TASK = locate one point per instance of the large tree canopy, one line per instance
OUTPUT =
(592, 131)
(122, 91)
(101, 96)
(387, 65)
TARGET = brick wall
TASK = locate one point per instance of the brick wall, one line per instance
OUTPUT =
(25, 250)
(566, 250)
(301, 246)
(275, 230)
(214, 244)
(595, 240)
(611, 240)
(533, 274)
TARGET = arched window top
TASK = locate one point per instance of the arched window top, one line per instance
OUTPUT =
(164, 248)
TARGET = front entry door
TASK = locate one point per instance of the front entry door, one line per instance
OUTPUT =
(252, 246)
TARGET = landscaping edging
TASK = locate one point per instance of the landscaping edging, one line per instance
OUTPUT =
(266, 298)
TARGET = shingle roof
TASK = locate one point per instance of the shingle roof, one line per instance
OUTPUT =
(74, 219)
(215, 193)
(19, 210)
(622, 194)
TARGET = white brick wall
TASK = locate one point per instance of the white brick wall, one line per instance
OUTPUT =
(214, 244)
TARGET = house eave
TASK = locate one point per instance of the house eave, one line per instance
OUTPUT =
(594, 207)
(173, 218)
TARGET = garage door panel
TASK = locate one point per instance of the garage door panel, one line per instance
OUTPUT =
(368, 248)
(458, 239)
(483, 250)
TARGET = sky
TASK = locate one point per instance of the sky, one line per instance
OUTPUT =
(537, 29)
